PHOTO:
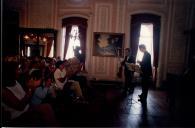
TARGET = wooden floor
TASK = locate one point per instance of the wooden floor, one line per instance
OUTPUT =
(109, 107)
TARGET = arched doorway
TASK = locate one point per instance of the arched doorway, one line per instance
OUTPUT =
(145, 29)
(74, 37)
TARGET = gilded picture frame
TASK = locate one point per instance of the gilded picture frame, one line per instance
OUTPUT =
(108, 44)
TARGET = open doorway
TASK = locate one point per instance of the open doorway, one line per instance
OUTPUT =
(74, 42)
(74, 38)
(145, 29)
(146, 38)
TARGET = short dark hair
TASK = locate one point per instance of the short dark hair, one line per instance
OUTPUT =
(142, 46)
(36, 74)
(9, 73)
(58, 63)
(46, 77)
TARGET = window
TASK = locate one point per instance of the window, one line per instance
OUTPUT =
(74, 41)
(28, 51)
(75, 36)
(51, 53)
(146, 38)
(37, 41)
(63, 43)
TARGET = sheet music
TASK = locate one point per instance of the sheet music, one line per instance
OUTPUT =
(133, 67)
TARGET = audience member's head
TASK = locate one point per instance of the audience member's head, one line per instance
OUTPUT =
(47, 81)
(60, 64)
(35, 79)
(10, 73)
(36, 74)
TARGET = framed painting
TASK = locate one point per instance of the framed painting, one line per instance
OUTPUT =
(108, 44)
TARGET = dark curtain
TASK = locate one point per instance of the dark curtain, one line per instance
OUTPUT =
(67, 37)
(83, 33)
(21, 43)
(136, 21)
(156, 40)
(135, 33)
(82, 24)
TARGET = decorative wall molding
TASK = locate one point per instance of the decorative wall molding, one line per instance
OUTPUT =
(175, 68)
(55, 16)
(178, 43)
(74, 10)
(63, 13)
(74, 3)
(120, 16)
(103, 17)
(102, 23)
(40, 13)
(100, 65)
(161, 2)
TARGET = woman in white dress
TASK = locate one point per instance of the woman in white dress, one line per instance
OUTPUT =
(15, 101)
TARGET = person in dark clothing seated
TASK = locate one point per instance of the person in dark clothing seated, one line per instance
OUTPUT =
(82, 79)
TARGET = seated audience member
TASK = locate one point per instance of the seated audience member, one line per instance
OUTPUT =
(63, 83)
(82, 81)
(24, 72)
(34, 65)
(42, 66)
(80, 74)
(15, 101)
(43, 92)
(50, 69)
(34, 79)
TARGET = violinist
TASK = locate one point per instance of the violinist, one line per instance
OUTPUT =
(129, 58)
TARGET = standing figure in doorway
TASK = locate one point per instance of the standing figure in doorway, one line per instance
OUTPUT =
(129, 58)
(146, 74)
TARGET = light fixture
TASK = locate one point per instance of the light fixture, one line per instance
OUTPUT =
(26, 37)
(44, 39)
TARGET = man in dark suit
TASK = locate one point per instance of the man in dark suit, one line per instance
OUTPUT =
(146, 74)
(127, 73)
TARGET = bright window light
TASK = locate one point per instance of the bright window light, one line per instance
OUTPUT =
(73, 41)
(63, 43)
(28, 51)
(146, 38)
(22, 53)
(51, 53)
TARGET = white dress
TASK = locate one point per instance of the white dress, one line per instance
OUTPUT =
(19, 92)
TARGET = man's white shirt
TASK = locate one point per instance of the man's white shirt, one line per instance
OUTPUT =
(60, 74)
